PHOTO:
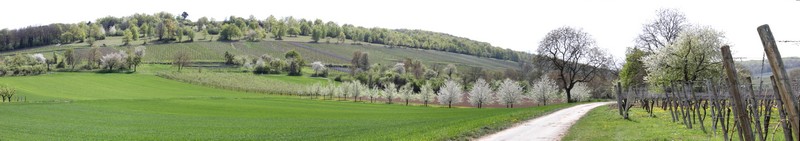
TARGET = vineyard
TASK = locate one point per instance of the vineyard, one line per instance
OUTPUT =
(736, 107)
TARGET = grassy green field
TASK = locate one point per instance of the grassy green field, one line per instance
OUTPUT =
(605, 123)
(90, 106)
(91, 86)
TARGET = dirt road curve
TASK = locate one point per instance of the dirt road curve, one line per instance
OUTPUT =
(546, 128)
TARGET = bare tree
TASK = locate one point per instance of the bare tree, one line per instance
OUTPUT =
(181, 59)
(573, 54)
(661, 31)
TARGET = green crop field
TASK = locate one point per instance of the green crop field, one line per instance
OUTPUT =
(91, 106)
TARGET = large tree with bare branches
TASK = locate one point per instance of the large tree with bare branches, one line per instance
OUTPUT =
(662, 31)
(574, 56)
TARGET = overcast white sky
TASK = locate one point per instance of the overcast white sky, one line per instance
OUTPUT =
(518, 25)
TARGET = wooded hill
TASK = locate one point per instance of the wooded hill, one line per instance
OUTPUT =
(168, 27)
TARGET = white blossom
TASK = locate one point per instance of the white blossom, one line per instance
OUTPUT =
(509, 93)
(581, 92)
(695, 53)
(139, 51)
(318, 66)
(450, 93)
(426, 94)
(390, 92)
(406, 93)
(400, 68)
(480, 94)
(113, 61)
(39, 58)
(356, 89)
(545, 90)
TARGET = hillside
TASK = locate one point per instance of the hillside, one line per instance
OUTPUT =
(329, 53)
(755, 66)
(166, 27)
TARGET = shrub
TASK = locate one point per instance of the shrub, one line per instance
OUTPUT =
(242, 61)
(581, 92)
(113, 61)
(277, 66)
(261, 67)
(545, 91)
(399, 68)
(22, 65)
(7, 92)
(295, 69)
(319, 69)
(338, 78)
(213, 30)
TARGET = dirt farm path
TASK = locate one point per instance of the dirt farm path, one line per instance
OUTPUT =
(550, 127)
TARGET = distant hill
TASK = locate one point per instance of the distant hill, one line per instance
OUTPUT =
(755, 66)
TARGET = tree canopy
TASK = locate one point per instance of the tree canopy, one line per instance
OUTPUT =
(695, 55)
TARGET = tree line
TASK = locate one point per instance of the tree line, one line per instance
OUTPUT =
(505, 92)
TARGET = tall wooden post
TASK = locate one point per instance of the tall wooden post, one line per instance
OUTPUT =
(787, 132)
(781, 77)
(738, 106)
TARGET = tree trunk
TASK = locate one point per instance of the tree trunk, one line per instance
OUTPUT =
(569, 95)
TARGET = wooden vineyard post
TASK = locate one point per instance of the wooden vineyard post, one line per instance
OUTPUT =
(754, 108)
(781, 77)
(787, 132)
(739, 112)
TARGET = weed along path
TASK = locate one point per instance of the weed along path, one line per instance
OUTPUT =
(545, 128)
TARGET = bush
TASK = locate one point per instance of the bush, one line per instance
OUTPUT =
(324, 73)
(276, 66)
(581, 92)
(213, 30)
(7, 92)
(23, 65)
(261, 67)
(3, 70)
(319, 69)
(295, 69)
(60, 65)
(338, 78)
(113, 61)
